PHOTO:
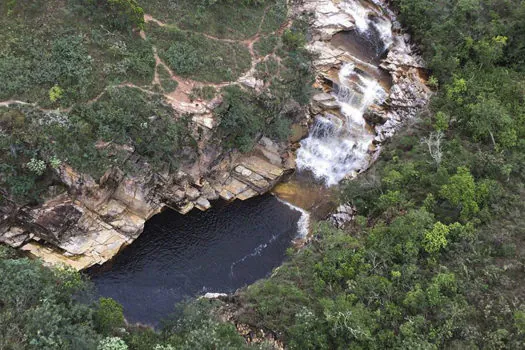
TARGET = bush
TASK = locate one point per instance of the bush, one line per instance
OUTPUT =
(112, 343)
(108, 316)
(245, 116)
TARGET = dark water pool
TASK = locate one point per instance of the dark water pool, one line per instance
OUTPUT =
(179, 256)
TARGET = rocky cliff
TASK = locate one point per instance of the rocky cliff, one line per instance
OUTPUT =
(91, 221)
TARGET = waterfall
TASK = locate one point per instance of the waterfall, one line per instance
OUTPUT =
(336, 148)
(377, 29)
(338, 143)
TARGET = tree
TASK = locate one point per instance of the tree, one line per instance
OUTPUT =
(38, 311)
(461, 192)
(489, 118)
(108, 316)
(433, 142)
(112, 343)
(436, 238)
(130, 10)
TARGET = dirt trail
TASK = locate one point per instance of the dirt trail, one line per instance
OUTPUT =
(14, 102)
(35, 105)
(180, 98)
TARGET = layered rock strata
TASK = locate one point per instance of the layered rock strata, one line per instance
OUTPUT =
(90, 222)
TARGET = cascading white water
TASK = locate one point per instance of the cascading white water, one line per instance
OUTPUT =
(336, 148)
(338, 145)
(365, 23)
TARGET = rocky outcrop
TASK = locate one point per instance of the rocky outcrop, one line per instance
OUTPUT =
(401, 71)
(90, 222)
(342, 215)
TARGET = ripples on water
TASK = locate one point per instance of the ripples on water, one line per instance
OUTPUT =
(179, 256)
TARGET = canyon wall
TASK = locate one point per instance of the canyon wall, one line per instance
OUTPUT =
(93, 220)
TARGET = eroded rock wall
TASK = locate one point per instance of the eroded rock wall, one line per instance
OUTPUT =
(91, 221)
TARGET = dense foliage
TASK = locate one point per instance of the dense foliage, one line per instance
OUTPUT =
(435, 259)
(37, 310)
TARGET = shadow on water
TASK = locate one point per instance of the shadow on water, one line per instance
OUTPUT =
(181, 256)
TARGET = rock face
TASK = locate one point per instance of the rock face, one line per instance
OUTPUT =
(342, 215)
(90, 222)
(396, 66)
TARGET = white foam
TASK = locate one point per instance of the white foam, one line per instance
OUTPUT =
(359, 13)
(332, 151)
(363, 21)
(336, 148)
(303, 224)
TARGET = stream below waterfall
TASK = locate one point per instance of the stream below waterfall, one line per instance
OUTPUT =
(182, 256)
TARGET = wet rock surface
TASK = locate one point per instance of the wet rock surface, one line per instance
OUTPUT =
(371, 81)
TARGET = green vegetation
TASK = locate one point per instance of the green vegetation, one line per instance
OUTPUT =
(166, 81)
(434, 260)
(244, 117)
(194, 55)
(222, 18)
(49, 46)
(266, 45)
(37, 308)
(91, 138)
(203, 93)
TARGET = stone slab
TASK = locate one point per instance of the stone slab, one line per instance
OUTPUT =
(262, 167)
(51, 257)
(249, 193)
(235, 186)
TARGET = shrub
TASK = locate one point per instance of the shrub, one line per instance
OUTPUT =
(112, 343)
(55, 93)
(108, 316)
(36, 166)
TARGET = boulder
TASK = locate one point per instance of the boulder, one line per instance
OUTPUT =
(192, 193)
(202, 203)
(342, 216)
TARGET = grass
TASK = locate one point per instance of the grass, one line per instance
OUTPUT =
(48, 43)
(266, 45)
(225, 20)
(267, 70)
(195, 56)
(168, 84)
(205, 93)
